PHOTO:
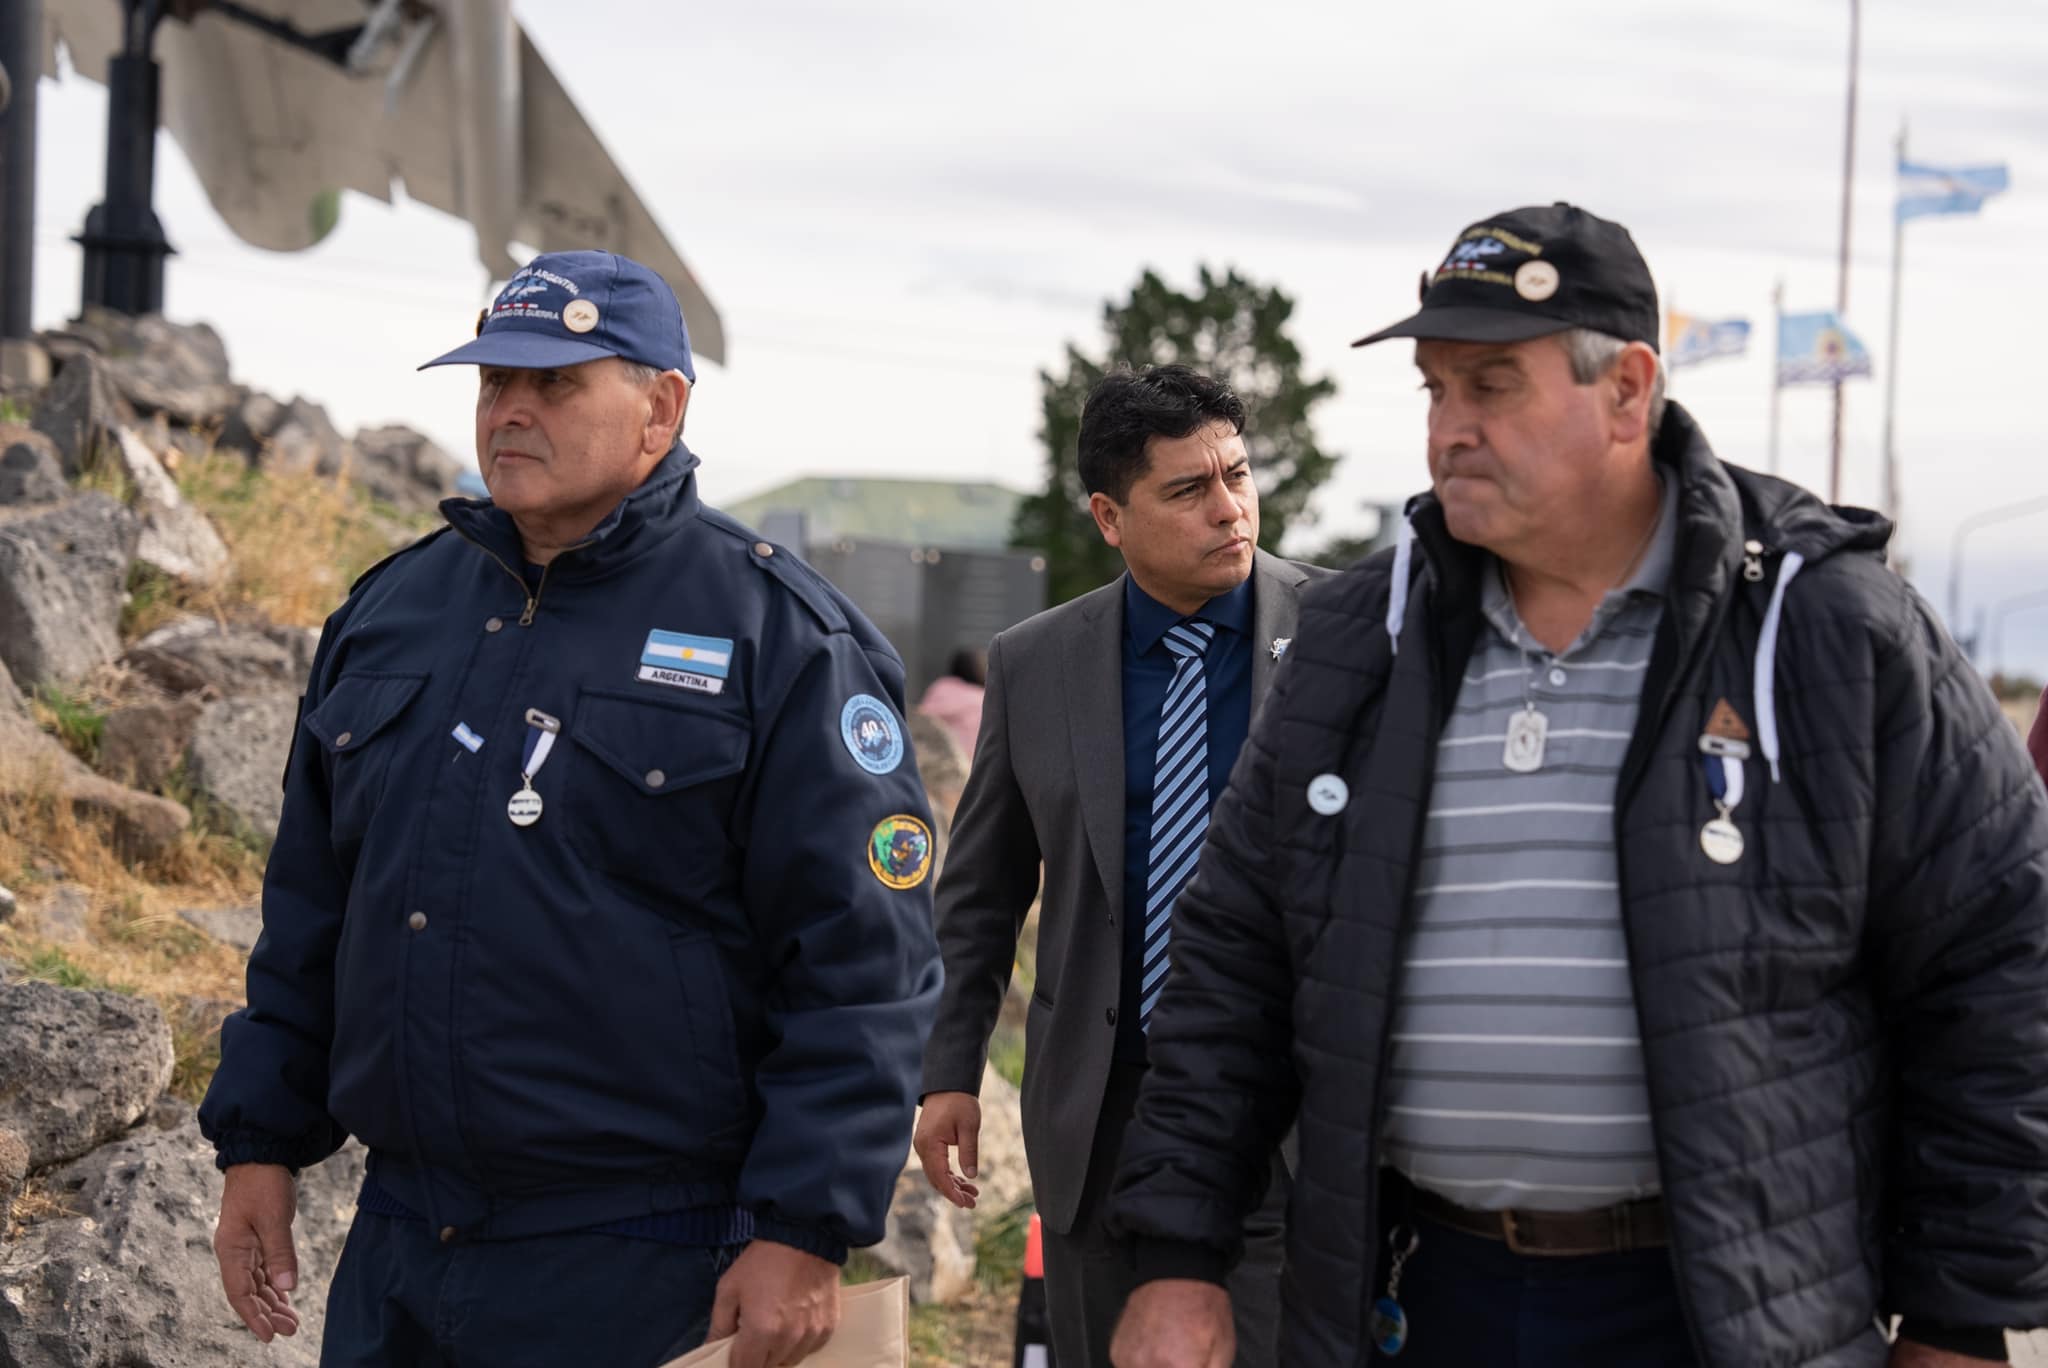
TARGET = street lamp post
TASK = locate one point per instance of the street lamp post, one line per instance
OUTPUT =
(2018, 603)
(1977, 522)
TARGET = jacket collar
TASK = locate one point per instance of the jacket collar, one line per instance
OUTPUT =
(663, 502)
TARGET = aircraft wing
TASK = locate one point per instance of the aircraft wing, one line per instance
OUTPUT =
(575, 194)
(273, 131)
(270, 131)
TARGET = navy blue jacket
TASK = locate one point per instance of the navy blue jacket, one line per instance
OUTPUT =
(703, 978)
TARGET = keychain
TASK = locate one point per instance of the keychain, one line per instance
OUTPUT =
(1389, 1321)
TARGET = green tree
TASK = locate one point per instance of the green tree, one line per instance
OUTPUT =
(1231, 328)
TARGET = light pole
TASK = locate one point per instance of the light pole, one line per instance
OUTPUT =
(2018, 603)
(1976, 522)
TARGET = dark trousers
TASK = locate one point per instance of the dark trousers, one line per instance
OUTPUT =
(402, 1299)
(1088, 1277)
(1473, 1301)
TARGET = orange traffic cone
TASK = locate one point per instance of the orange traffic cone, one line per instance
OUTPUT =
(1034, 1333)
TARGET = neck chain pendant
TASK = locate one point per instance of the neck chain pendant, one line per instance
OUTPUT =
(1528, 733)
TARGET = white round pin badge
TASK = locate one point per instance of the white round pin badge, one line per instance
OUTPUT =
(1328, 794)
(1536, 281)
(579, 315)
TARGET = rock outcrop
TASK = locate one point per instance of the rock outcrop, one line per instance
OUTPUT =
(63, 576)
(127, 1275)
(238, 755)
(34, 768)
(79, 1068)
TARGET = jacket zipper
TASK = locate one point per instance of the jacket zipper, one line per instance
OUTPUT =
(1403, 932)
(1624, 794)
(532, 595)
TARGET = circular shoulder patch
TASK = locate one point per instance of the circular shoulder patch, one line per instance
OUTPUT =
(873, 736)
(900, 851)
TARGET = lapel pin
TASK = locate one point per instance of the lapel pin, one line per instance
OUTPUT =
(1280, 645)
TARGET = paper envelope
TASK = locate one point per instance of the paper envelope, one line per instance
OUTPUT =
(874, 1332)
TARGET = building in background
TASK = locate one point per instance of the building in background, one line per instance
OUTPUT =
(929, 561)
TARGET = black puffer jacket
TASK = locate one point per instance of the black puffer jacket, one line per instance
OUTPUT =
(1846, 1032)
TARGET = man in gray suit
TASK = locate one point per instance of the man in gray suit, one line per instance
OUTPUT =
(1108, 729)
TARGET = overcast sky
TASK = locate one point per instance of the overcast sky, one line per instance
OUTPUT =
(904, 209)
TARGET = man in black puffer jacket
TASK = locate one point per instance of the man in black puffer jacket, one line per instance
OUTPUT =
(1631, 892)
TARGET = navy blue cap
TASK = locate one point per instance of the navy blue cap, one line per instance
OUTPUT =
(564, 308)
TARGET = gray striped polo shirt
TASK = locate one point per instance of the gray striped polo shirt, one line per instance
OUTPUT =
(1517, 1065)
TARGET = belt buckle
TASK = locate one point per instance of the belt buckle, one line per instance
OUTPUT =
(1513, 1235)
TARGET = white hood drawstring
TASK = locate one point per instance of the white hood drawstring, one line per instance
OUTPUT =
(1397, 594)
(1765, 684)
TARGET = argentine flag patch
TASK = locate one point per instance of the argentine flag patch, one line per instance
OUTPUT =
(699, 664)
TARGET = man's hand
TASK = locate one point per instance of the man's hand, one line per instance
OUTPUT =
(949, 1119)
(254, 1245)
(1907, 1354)
(782, 1303)
(1175, 1323)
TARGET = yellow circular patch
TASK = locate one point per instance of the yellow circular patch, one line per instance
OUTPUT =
(900, 851)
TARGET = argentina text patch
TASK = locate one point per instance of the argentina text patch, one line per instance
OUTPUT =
(681, 661)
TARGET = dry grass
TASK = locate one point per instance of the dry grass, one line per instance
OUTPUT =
(34, 1205)
(978, 1331)
(298, 542)
(135, 942)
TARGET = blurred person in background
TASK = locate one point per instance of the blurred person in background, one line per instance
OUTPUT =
(954, 698)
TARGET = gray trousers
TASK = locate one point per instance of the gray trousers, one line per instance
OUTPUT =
(1088, 1277)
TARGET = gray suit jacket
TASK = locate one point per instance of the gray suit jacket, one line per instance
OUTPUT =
(1047, 786)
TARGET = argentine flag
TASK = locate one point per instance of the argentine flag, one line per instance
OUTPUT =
(1925, 190)
(1816, 349)
(1692, 339)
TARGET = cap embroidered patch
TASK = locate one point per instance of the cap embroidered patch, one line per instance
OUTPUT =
(699, 664)
(900, 851)
(872, 735)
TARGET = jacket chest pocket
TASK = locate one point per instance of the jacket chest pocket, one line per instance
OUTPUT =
(355, 727)
(654, 786)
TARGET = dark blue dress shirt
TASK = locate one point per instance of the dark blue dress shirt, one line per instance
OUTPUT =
(1148, 672)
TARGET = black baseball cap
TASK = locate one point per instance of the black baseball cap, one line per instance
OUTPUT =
(1532, 272)
(564, 308)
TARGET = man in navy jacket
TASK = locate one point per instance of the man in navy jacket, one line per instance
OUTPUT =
(598, 910)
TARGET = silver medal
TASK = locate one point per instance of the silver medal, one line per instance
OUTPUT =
(1721, 839)
(524, 809)
(1528, 732)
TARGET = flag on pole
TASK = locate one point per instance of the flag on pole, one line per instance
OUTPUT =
(1815, 349)
(1925, 190)
(1690, 339)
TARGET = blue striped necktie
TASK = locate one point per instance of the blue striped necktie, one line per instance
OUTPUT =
(1180, 800)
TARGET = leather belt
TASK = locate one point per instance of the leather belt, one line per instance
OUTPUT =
(1555, 1234)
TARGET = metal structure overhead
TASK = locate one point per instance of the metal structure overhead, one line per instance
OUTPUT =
(282, 104)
